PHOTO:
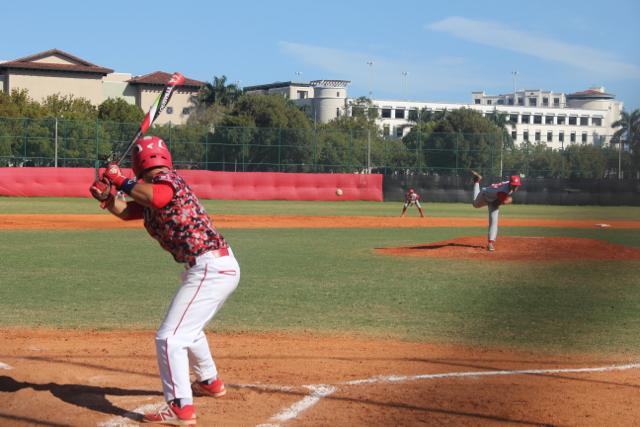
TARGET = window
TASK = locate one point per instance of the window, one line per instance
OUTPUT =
(520, 101)
(386, 113)
(561, 136)
(526, 118)
(338, 112)
(399, 132)
(573, 137)
(584, 137)
(385, 130)
(561, 120)
(573, 120)
(548, 120)
(549, 136)
(545, 102)
(537, 136)
(500, 102)
(533, 102)
(537, 119)
(477, 101)
(302, 94)
(186, 111)
(510, 101)
(596, 121)
(413, 115)
(513, 118)
(488, 102)
(399, 113)
(525, 136)
(514, 135)
(169, 110)
(556, 102)
(584, 121)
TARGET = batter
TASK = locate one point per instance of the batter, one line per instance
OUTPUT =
(494, 196)
(174, 216)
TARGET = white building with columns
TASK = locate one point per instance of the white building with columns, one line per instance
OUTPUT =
(553, 118)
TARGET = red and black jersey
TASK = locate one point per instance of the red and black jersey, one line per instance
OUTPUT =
(182, 227)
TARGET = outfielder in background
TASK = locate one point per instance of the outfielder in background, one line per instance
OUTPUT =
(412, 198)
(174, 216)
(494, 196)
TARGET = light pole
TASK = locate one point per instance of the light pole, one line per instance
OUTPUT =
(404, 84)
(370, 64)
(514, 74)
(298, 74)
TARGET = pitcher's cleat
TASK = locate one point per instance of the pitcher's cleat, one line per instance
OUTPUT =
(491, 247)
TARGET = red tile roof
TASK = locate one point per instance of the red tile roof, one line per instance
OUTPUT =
(79, 66)
(161, 78)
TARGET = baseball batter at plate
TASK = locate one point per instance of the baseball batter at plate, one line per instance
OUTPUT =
(412, 198)
(494, 196)
(174, 216)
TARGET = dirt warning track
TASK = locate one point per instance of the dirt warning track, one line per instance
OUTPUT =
(72, 221)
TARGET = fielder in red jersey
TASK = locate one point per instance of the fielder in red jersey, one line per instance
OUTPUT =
(412, 198)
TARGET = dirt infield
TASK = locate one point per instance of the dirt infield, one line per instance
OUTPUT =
(52, 377)
(105, 378)
(55, 222)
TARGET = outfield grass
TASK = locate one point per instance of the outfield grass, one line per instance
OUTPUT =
(40, 205)
(330, 280)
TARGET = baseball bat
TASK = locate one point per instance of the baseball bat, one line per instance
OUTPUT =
(157, 107)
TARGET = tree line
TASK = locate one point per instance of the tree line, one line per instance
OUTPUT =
(231, 130)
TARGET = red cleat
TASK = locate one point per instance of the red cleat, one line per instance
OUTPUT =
(172, 415)
(215, 389)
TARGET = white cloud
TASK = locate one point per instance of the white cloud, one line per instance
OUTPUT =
(500, 36)
(385, 75)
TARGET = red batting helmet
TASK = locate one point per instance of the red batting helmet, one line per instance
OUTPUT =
(515, 180)
(150, 152)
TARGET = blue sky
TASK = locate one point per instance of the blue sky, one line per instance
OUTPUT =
(421, 50)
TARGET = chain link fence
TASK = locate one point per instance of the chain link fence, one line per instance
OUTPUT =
(76, 143)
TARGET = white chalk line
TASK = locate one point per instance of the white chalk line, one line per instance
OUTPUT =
(318, 391)
(5, 366)
(128, 422)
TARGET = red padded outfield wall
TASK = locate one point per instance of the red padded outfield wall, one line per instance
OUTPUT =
(75, 182)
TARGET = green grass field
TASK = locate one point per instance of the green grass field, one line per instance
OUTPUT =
(330, 280)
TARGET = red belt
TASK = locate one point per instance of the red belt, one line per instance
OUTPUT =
(217, 253)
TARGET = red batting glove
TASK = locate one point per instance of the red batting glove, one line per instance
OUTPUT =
(100, 190)
(114, 174)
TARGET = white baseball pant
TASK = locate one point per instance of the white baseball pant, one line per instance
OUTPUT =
(180, 341)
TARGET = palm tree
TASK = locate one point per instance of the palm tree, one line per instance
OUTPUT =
(628, 133)
(218, 92)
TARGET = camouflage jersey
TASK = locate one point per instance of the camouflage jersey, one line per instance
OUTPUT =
(182, 226)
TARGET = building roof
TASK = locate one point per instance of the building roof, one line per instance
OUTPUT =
(275, 85)
(65, 63)
(590, 94)
(160, 78)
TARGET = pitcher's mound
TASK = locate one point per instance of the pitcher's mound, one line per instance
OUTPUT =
(520, 249)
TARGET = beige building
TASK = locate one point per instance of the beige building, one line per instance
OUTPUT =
(57, 72)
